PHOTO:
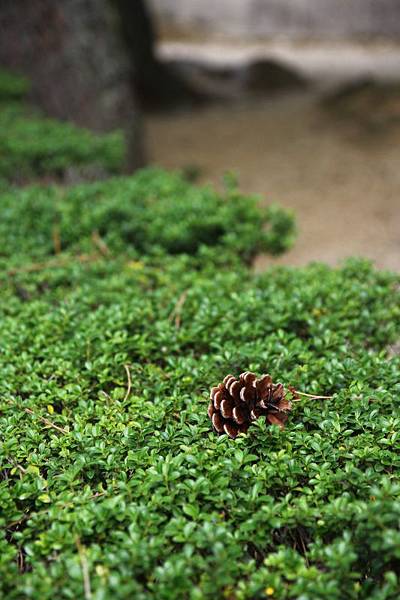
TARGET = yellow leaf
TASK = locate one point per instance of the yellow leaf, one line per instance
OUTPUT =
(50, 409)
(33, 469)
(44, 498)
(135, 265)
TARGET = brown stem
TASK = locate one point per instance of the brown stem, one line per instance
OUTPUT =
(56, 239)
(45, 421)
(58, 261)
(129, 385)
(177, 310)
(100, 244)
(313, 396)
(85, 569)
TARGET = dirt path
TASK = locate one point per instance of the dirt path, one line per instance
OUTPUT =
(343, 185)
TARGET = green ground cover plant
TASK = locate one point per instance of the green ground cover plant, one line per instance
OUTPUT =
(33, 146)
(121, 303)
(129, 492)
(12, 87)
(153, 212)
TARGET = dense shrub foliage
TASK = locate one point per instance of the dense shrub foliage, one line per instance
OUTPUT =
(32, 146)
(151, 212)
(137, 492)
(12, 87)
(121, 303)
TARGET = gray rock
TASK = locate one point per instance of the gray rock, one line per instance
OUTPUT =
(266, 75)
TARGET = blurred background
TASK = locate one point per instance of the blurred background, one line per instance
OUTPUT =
(300, 98)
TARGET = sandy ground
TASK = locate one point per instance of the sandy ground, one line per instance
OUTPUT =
(343, 184)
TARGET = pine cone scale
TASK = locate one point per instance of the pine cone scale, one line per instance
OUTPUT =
(234, 390)
(218, 422)
(240, 415)
(275, 420)
(284, 405)
(227, 408)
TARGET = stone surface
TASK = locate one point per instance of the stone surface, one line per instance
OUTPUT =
(265, 75)
(262, 18)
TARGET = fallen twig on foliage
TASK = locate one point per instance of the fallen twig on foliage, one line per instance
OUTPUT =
(129, 386)
(85, 569)
(46, 421)
(59, 261)
(177, 310)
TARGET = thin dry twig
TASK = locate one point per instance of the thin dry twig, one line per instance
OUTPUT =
(313, 396)
(129, 386)
(21, 560)
(304, 549)
(177, 310)
(46, 421)
(21, 520)
(85, 569)
(18, 466)
(100, 244)
(59, 261)
(56, 239)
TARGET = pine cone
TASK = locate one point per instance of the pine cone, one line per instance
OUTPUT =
(236, 403)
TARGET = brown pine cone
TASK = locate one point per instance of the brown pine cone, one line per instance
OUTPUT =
(236, 403)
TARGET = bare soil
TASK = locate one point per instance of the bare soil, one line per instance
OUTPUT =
(341, 179)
